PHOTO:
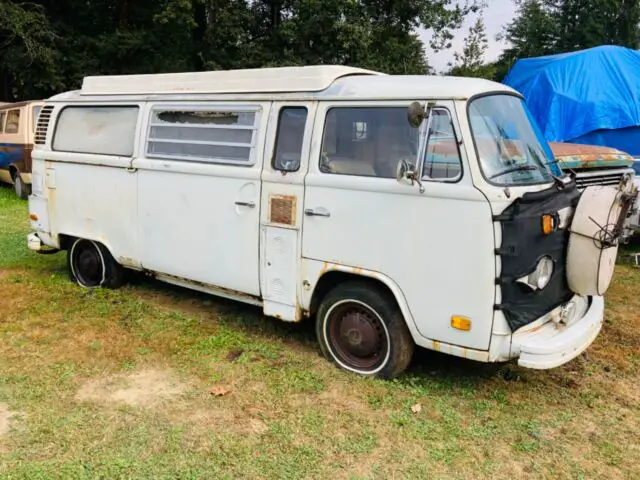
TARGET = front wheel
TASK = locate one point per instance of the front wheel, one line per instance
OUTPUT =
(361, 329)
(91, 265)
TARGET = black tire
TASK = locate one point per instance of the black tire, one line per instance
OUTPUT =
(22, 189)
(360, 329)
(91, 265)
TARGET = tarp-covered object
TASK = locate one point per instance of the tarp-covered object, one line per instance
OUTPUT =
(571, 95)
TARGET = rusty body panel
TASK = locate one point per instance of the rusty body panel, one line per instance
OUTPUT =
(575, 156)
(205, 288)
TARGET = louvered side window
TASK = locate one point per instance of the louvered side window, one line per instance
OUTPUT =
(216, 135)
(43, 124)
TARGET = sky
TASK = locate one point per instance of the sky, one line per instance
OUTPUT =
(496, 15)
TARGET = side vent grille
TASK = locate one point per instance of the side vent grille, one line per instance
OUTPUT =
(40, 136)
(282, 209)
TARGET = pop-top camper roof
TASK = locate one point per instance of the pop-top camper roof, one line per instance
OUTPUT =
(260, 80)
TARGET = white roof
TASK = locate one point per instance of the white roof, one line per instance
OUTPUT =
(259, 80)
(413, 86)
(329, 82)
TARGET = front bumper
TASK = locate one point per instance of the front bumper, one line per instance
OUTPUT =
(42, 243)
(550, 344)
(33, 242)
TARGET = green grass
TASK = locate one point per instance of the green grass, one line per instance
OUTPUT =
(116, 384)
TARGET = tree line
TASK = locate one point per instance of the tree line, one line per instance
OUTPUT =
(48, 46)
(547, 27)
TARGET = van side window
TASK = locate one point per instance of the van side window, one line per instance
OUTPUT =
(288, 150)
(13, 122)
(2, 117)
(200, 135)
(442, 157)
(367, 141)
(97, 130)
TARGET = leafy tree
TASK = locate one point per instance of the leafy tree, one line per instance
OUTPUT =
(471, 63)
(26, 46)
(589, 23)
(545, 27)
(533, 32)
(50, 45)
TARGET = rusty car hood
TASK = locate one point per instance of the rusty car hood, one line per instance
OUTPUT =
(576, 156)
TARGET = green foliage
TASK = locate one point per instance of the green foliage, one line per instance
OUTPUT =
(26, 45)
(471, 62)
(544, 27)
(47, 47)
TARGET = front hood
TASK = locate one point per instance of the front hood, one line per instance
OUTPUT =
(573, 156)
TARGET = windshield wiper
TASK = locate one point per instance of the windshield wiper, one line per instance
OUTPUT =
(519, 168)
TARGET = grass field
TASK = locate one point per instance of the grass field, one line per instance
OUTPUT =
(118, 384)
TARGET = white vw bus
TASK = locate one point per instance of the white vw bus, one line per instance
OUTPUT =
(395, 210)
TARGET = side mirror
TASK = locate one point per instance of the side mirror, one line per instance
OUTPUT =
(416, 113)
(406, 171)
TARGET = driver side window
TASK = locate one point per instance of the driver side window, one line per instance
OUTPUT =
(442, 157)
(367, 141)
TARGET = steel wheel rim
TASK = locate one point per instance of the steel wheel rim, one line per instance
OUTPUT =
(87, 264)
(357, 336)
(18, 186)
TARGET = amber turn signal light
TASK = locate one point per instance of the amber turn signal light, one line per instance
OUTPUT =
(548, 224)
(461, 323)
(33, 217)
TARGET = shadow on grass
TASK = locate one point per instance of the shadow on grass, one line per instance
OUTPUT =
(426, 363)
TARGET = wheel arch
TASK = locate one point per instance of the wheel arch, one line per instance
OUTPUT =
(333, 275)
(67, 241)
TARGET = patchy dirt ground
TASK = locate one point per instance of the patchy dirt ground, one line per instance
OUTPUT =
(152, 381)
(146, 388)
(5, 419)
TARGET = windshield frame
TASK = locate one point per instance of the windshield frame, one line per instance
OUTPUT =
(424, 145)
(544, 144)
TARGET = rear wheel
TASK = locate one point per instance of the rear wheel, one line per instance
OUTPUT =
(22, 189)
(361, 329)
(91, 265)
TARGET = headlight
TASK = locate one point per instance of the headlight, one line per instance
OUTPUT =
(541, 276)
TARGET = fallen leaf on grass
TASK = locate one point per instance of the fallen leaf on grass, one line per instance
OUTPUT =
(417, 408)
(220, 391)
(234, 355)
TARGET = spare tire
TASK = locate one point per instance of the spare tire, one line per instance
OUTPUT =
(593, 244)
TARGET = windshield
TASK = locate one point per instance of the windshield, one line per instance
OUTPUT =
(511, 149)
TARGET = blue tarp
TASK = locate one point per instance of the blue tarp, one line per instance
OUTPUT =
(585, 96)
(625, 139)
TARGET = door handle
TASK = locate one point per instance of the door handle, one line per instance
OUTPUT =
(310, 212)
(246, 204)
